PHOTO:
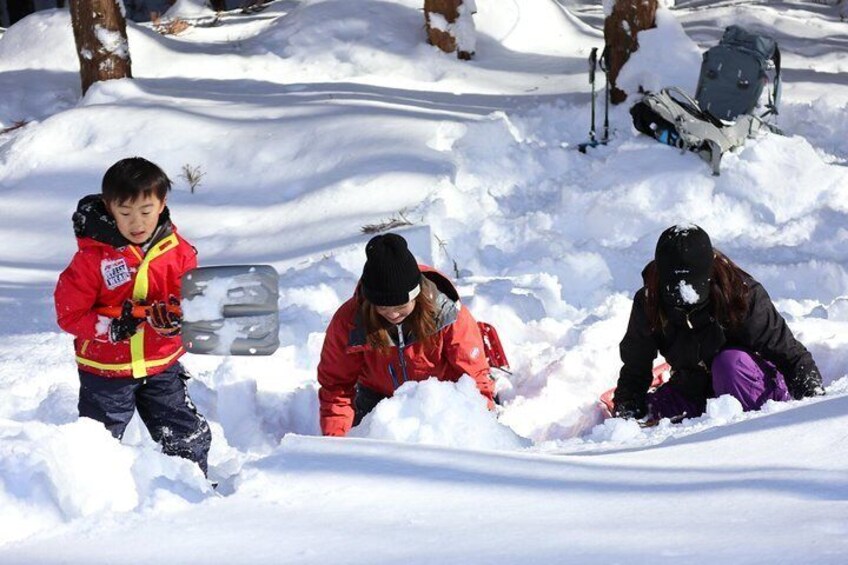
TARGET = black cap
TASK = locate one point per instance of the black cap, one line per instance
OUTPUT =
(684, 258)
(391, 276)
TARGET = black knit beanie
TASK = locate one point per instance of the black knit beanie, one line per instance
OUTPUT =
(391, 276)
(684, 258)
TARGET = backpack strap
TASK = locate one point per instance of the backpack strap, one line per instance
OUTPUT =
(711, 153)
(691, 105)
(774, 94)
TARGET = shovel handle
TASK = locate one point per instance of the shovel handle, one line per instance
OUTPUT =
(139, 311)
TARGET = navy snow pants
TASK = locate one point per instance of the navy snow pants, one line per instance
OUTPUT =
(162, 402)
(364, 402)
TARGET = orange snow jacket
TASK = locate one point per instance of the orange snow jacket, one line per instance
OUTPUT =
(348, 360)
(107, 270)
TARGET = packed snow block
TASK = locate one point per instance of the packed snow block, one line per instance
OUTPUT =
(450, 26)
(621, 28)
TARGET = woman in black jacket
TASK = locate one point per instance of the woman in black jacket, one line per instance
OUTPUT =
(717, 328)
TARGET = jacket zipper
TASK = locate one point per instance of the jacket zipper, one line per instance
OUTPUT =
(401, 357)
(394, 376)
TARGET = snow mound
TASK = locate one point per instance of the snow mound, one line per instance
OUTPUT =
(616, 430)
(189, 9)
(666, 57)
(55, 474)
(725, 408)
(433, 412)
(38, 78)
(368, 40)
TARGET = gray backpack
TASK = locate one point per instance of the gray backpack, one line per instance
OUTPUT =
(735, 72)
(674, 118)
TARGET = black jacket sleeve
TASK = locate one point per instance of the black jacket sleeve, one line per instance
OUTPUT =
(766, 332)
(638, 350)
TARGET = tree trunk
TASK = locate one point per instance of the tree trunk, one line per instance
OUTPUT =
(444, 39)
(100, 32)
(627, 19)
(19, 9)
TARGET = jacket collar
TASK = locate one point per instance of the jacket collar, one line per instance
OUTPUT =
(91, 220)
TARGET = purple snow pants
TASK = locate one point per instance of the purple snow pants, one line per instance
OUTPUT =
(745, 375)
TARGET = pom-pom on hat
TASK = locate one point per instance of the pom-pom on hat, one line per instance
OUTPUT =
(684, 259)
(391, 276)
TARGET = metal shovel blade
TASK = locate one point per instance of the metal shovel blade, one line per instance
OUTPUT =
(231, 310)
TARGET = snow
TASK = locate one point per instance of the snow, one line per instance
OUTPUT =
(189, 9)
(725, 408)
(432, 412)
(666, 57)
(314, 118)
(112, 42)
(688, 293)
(464, 29)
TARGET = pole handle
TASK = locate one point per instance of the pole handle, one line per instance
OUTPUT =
(593, 64)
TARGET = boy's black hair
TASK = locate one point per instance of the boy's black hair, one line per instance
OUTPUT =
(133, 178)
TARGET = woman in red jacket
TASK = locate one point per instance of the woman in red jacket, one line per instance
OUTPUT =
(403, 323)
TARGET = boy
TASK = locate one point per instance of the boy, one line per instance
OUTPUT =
(130, 254)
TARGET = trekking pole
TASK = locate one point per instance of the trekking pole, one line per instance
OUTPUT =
(593, 62)
(605, 68)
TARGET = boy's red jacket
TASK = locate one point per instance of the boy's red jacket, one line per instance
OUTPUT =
(102, 273)
(347, 359)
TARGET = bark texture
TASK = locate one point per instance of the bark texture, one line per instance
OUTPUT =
(449, 10)
(100, 32)
(621, 27)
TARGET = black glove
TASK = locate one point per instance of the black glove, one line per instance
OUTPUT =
(629, 409)
(807, 382)
(124, 327)
(164, 317)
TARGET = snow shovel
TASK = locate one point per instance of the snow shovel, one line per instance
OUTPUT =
(226, 310)
(231, 310)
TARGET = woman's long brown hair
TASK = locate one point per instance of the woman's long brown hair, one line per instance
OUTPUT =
(728, 294)
(421, 322)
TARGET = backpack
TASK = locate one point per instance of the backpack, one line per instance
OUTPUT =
(735, 72)
(492, 348)
(674, 118)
